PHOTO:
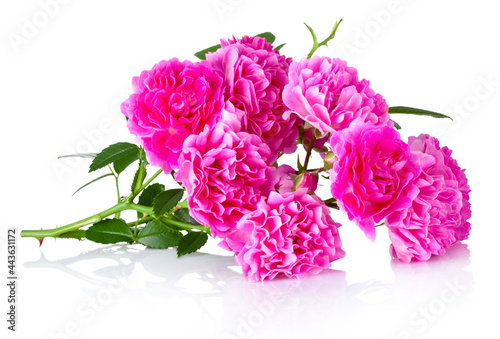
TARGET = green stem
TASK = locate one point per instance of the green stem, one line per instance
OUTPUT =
(87, 221)
(169, 220)
(317, 45)
(117, 215)
(308, 152)
(140, 221)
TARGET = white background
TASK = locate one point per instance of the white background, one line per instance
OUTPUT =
(61, 86)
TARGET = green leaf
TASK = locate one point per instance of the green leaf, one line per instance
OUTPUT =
(126, 160)
(416, 111)
(396, 125)
(268, 36)
(79, 155)
(111, 154)
(149, 194)
(280, 47)
(183, 215)
(78, 234)
(191, 242)
(202, 54)
(166, 201)
(109, 231)
(92, 181)
(157, 235)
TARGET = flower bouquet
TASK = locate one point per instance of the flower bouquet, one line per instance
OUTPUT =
(220, 125)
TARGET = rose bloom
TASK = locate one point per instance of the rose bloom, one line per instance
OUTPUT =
(372, 174)
(225, 174)
(327, 94)
(438, 215)
(170, 102)
(288, 234)
(254, 77)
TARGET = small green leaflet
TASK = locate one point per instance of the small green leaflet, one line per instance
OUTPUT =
(109, 231)
(157, 235)
(166, 201)
(113, 153)
(191, 242)
(396, 125)
(202, 55)
(92, 181)
(268, 36)
(148, 196)
(280, 47)
(416, 111)
(183, 215)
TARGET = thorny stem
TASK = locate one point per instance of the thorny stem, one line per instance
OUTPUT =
(54, 232)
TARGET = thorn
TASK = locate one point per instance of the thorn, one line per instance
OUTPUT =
(40, 239)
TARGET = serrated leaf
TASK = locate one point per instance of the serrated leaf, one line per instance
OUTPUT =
(166, 201)
(109, 231)
(202, 54)
(396, 125)
(149, 194)
(183, 215)
(191, 242)
(416, 111)
(268, 36)
(79, 155)
(157, 235)
(279, 47)
(111, 154)
(92, 181)
(126, 160)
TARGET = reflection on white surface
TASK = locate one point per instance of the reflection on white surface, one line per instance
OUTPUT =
(204, 295)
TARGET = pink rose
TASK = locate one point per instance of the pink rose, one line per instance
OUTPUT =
(288, 235)
(372, 174)
(170, 102)
(254, 77)
(225, 175)
(438, 215)
(327, 94)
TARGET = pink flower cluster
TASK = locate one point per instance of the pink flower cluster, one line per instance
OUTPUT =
(222, 124)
